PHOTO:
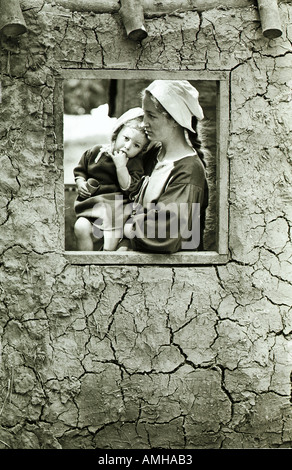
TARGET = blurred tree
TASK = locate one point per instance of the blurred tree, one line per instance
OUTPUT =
(81, 96)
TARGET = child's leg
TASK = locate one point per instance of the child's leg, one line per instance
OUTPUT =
(83, 233)
(124, 245)
(111, 239)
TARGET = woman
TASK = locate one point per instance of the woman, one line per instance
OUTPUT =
(171, 203)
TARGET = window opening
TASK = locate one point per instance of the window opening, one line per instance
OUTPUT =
(92, 102)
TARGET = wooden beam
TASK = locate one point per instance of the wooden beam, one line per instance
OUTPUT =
(136, 258)
(151, 7)
(270, 18)
(157, 7)
(11, 18)
(96, 6)
(133, 18)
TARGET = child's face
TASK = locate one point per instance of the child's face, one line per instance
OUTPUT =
(130, 141)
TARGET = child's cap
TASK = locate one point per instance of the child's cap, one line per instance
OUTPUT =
(132, 113)
(179, 98)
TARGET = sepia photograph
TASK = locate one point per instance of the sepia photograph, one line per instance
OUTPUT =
(96, 114)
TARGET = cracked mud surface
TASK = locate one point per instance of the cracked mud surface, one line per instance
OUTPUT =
(144, 357)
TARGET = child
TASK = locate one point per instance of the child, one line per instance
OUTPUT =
(105, 178)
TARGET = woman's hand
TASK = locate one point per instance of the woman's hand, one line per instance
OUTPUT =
(82, 189)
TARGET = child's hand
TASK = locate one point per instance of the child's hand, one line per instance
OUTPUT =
(120, 159)
(82, 189)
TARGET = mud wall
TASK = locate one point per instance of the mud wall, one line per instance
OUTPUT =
(128, 357)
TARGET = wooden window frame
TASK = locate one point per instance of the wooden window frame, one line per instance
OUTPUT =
(184, 258)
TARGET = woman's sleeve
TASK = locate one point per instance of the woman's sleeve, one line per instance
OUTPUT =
(172, 224)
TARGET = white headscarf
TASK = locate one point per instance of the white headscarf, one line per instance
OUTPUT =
(179, 98)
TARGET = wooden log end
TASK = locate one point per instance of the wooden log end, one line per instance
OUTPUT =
(137, 34)
(13, 29)
(272, 33)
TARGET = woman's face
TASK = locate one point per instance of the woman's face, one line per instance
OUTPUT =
(157, 126)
